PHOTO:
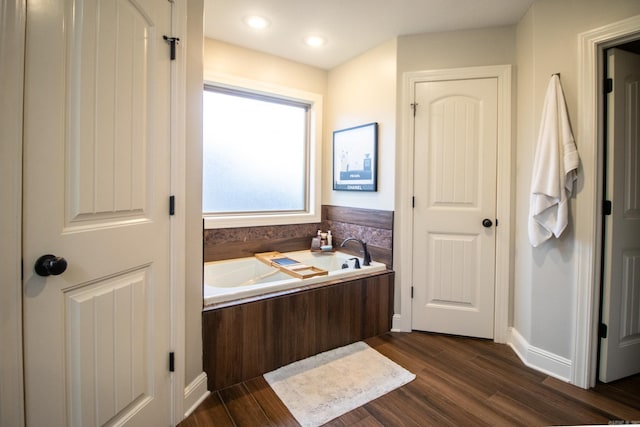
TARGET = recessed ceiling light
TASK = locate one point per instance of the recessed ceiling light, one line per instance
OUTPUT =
(314, 41)
(257, 22)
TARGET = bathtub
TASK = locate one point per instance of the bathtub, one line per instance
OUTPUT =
(246, 277)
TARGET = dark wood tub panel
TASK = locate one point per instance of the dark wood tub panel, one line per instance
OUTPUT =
(244, 341)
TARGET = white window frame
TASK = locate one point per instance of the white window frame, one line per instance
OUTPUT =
(312, 214)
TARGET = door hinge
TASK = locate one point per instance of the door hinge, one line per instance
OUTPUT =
(172, 45)
(602, 330)
(412, 292)
(172, 362)
(606, 207)
(608, 85)
(172, 205)
(496, 222)
(413, 201)
(414, 105)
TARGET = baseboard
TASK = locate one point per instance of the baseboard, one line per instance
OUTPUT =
(539, 359)
(397, 325)
(195, 393)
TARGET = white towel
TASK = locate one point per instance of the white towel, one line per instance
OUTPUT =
(554, 169)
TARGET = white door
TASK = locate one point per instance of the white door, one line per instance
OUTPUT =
(96, 189)
(620, 350)
(455, 140)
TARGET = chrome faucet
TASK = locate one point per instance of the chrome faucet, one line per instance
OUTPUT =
(366, 260)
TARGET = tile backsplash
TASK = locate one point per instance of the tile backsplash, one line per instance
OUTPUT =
(374, 227)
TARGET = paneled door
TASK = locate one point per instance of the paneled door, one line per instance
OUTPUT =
(455, 140)
(96, 188)
(620, 349)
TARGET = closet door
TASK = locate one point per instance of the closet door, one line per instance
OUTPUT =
(96, 188)
(455, 140)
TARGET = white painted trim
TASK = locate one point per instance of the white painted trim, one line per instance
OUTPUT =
(178, 220)
(313, 215)
(539, 359)
(12, 50)
(195, 393)
(404, 227)
(588, 227)
(396, 323)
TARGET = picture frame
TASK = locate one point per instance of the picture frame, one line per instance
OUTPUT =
(355, 158)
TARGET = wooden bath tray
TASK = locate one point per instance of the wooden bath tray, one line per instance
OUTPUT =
(290, 266)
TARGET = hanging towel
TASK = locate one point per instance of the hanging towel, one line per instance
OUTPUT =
(554, 168)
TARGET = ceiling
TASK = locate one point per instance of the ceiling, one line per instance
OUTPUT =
(351, 27)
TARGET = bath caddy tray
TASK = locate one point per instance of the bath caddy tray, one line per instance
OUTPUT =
(290, 266)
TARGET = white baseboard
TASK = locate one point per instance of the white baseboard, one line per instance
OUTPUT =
(397, 324)
(195, 393)
(539, 359)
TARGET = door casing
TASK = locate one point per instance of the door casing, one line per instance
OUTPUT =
(12, 39)
(588, 234)
(403, 247)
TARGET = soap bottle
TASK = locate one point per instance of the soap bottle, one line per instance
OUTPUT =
(329, 238)
(315, 242)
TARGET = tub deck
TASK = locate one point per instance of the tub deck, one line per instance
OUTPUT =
(242, 278)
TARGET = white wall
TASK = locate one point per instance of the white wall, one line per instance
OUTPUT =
(545, 277)
(361, 91)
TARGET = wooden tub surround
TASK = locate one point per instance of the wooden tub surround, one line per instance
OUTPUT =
(247, 338)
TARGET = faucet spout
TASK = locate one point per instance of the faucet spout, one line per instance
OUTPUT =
(366, 256)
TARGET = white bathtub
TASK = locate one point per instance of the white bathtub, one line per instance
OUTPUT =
(245, 277)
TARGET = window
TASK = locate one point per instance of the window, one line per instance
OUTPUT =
(259, 158)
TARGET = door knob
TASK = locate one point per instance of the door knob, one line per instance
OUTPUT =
(50, 265)
(487, 223)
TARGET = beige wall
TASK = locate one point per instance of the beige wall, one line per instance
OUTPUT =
(12, 44)
(456, 49)
(223, 59)
(545, 277)
(363, 91)
(521, 309)
(193, 203)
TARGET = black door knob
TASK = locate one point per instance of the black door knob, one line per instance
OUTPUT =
(50, 265)
(487, 223)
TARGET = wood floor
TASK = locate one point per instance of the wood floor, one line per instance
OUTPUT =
(459, 382)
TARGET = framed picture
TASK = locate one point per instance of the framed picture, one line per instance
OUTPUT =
(355, 158)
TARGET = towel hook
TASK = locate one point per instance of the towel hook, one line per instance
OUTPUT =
(555, 74)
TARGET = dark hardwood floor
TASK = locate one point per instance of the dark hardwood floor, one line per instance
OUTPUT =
(459, 382)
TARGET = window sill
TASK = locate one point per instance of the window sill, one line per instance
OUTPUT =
(232, 221)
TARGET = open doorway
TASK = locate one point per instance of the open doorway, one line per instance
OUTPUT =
(592, 45)
(619, 314)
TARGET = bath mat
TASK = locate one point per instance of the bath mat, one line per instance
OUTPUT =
(323, 387)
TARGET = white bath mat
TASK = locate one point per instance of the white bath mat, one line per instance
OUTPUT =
(323, 387)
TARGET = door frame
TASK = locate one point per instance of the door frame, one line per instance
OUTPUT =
(403, 246)
(591, 45)
(12, 45)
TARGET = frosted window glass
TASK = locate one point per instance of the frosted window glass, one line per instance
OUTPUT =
(254, 155)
